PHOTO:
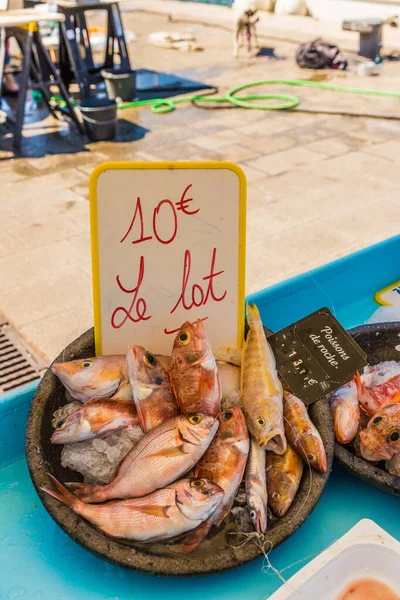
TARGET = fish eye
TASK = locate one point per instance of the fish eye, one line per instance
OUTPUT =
(275, 495)
(195, 419)
(184, 338)
(310, 457)
(261, 421)
(253, 515)
(394, 436)
(86, 364)
(228, 415)
(198, 483)
(150, 359)
(377, 420)
(61, 423)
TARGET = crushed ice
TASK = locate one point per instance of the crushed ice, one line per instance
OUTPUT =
(98, 459)
(385, 314)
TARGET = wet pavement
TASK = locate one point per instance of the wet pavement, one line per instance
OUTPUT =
(320, 185)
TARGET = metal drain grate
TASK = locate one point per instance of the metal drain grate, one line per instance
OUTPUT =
(18, 363)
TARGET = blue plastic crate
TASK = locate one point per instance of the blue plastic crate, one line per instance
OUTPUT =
(39, 562)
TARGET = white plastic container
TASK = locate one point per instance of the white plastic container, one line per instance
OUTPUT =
(364, 552)
(290, 7)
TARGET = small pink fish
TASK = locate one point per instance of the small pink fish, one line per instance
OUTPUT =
(256, 487)
(373, 399)
(161, 456)
(345, 411)
(193, 372)
(151, 389)
(95, 418)
(224, 463)
(382, 434)
(158, 516)
(92, 378)
(302, 434)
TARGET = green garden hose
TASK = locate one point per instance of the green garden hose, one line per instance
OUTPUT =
(285, 101)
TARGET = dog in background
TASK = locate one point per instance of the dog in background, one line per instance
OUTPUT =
(244, 24)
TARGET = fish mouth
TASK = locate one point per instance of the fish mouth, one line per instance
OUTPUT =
(385, 454)
(275, 441)
(215, 491)
(58, 438)
(260, 522)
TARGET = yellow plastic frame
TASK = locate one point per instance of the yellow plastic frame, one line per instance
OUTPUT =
(378, 295)
(165, 166)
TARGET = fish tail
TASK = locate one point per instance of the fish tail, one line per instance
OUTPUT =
(253, 314)
(87, 492)
(62, 494)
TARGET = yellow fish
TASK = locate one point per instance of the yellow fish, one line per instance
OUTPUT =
(262, 393)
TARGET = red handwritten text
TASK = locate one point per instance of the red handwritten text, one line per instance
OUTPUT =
(175, 218)
(138, 307)
(181, 205)
(184, 203)
(196, 295)
(169, 331)
(142, 238)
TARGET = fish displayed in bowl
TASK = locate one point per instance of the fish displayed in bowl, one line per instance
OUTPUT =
(382, 434)
(161, 515)
(152, 393)
(302, 434)
(262, 393)
(283, 479)
(366, 414)
(256, 487)
(93, 419)
(224, 429)
(193, 371)
(160, 457)
(92, 378)
(224, 463)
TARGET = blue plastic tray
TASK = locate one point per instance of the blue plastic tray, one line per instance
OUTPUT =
(39, 562)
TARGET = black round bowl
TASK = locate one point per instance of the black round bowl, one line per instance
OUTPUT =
(213, 555)
(379, 342)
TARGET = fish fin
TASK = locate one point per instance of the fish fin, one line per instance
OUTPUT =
(153, 510)
(103, 428)
(85, 491)
(359, 383)
(169, 452)
(206, 387)
(195, 537)
(61, 493)
(253, 313)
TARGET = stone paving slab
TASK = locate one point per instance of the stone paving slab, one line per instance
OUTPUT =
(319, 185)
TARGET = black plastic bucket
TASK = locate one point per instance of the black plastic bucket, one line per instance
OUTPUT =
(100, 118)
(120, 84)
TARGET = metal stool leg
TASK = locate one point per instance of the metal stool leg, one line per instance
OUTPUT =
(48, 76)
(69, 47)
(85, 40)
(119, 35)
(26, 41)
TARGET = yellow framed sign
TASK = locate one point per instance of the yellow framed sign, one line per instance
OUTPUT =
(389, 296)
(168, 246)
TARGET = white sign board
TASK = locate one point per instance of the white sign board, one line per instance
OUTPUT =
(168, 246)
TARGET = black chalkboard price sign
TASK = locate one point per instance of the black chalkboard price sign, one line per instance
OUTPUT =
(315, 356)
